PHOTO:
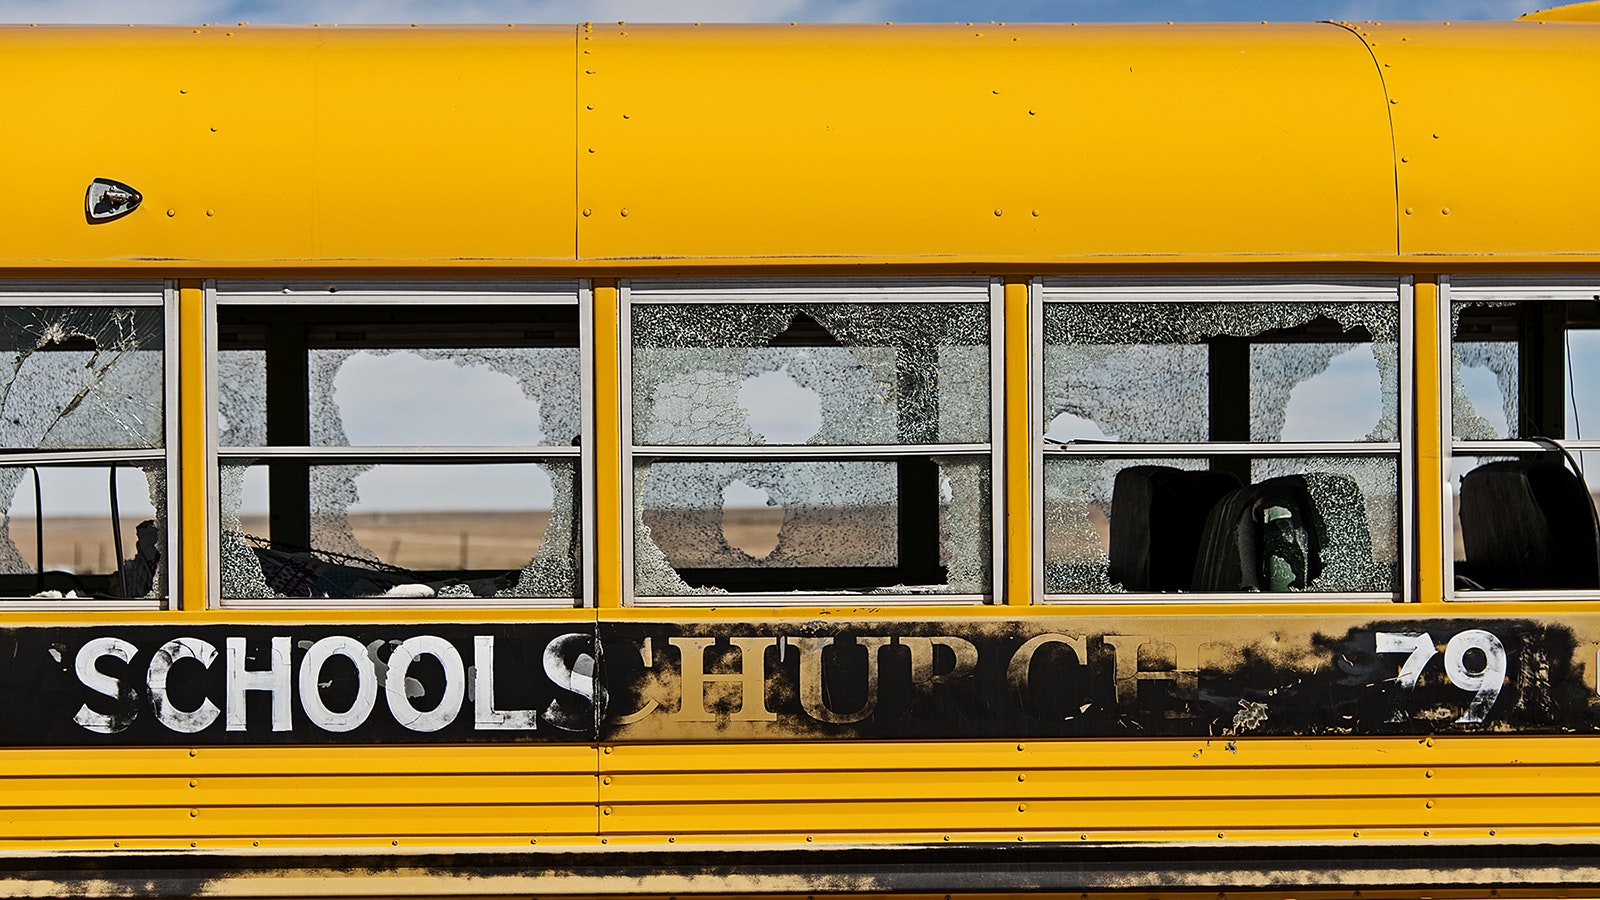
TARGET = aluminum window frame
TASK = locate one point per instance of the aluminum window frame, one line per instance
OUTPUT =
(141, 293)
(822, 291)
(1468, 288)
(577, 293)
(1396, 290)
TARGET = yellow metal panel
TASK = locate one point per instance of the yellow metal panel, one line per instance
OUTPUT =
(1495, 128)
(276, 146)
(994, 142)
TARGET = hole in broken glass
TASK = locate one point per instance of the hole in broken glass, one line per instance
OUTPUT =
(751, 519)
(402, 397)
(778, 409)
(1339, 401)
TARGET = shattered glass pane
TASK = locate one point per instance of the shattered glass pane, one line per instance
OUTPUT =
(1359, 499)
(81, 377)
(242, 398)
(822, 525)
(1355, 497)
(749, 374)
(1077, 519)
(833, 513)
(1484, 377)
(479, 530)
(1139, 372)
(79, 542)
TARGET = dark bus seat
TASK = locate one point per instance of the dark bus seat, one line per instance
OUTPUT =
(1285, 534)
(1158, 514)
(1529, 525)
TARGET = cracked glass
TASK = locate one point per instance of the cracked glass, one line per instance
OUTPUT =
(762, 374)
(1204, 372)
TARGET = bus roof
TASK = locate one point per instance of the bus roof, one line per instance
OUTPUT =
(1025, 146)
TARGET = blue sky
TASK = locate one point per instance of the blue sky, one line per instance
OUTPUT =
(570, 11)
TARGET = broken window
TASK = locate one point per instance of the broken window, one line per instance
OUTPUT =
(811, 437)
(82, 401)
(1524, 360)
(1219, 439)
(376, 446)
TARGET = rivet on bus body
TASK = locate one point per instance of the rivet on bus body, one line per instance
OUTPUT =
(171, 213)
(999, 212)
(193, 783)
(1408, 210)
(1022, 807)
(606, 780)
(589, 106)
(1219, 835)
(1436, 135)
(606, 811)
(258, 843)
(213, 129)
(1036, 214)
(587, 211)
(1392, 100)
(394, 843)
(185, 90)
(605, 840)
(810, 838)
(588, 71)
(533, 840)
(197, 752)
(1491, 832)
(1428, 804)
(1022, 777)
(116, 843)
(1355, 834)
(608, 751)
(192, 844)
(1428, 774)
(1020, 838)
(211, 212)
(1019, 747)
(193, 813)
(1083, 837)
(591, 149)
(1445, 211)
(672, 840)
(1405, 159)
(1428, 742)
(947, 837)
(624, 212)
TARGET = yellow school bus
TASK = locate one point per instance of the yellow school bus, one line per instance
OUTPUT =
(667, 460)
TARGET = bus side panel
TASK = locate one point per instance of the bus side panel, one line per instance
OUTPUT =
(1327, 789)
(306, 797)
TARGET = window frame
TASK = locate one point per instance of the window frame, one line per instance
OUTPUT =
(131, 293)
(846, 291)
(1468, 288)
(434, 295)
(1396, 290)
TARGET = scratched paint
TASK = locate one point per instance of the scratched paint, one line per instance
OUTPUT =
(867, 679)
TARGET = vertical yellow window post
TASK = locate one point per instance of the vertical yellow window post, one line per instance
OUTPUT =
(1432, 493)
(609, 514)
(193, 539)
(1019, 449)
